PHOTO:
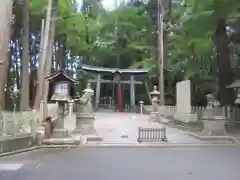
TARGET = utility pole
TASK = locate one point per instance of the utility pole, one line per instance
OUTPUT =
(116, 36)
(160, 56)
(119, 104)
(87, 11)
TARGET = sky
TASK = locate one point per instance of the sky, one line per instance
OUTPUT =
(107, 4)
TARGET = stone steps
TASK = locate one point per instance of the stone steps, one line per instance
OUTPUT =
(93, 138)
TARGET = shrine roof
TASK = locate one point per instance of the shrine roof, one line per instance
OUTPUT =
(60, 76)
(235, 84)
(113, 70)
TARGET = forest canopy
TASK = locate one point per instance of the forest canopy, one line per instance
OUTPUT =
(201, 43)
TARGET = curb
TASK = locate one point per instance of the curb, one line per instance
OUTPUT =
(141, 146)
(118, 146)
(20, 151)
(213, 138)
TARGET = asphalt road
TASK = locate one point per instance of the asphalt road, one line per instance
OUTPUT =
(124, 163)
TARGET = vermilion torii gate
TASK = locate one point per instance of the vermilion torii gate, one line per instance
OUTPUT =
(118, 78)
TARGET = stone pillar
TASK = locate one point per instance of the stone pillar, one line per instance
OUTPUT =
(70, 107)
(155, 104)
(132, 91)
(60, 116)
(155, 98)
(41, 112)
(110, 101)
(141, 107)
(98, 88)
(59, 131)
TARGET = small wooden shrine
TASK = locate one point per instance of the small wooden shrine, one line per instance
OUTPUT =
(61, 91)
(61, 86)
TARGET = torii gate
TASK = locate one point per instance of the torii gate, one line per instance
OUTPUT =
(117, 74)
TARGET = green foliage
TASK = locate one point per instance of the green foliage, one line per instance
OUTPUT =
(129, 32)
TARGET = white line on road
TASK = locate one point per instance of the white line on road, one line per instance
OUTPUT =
(10, 167)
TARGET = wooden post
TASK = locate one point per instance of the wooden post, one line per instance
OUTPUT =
(98, 88)
(132, 91)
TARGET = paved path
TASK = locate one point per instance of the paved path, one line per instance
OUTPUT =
(112, 126)
(124, 164)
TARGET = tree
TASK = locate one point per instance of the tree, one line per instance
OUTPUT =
(47, 71)
(5, 25)
(40, 83)
(24, 104)
(192, 31)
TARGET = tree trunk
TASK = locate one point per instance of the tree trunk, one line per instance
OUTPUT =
(58, 55)
(24, 103)
(223, 63)
(165, 48)
(41, 49)
(40, 81)
(5, 25)
(49, 56)
(8, 98)
(63, 60)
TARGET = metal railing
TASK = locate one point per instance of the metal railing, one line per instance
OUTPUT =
(151, 134)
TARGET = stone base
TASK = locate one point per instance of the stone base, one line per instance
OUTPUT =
(153, 116)
(84, 124)
(214, 126)
(93, 138)
(59, 133)
(213, 139)
(39, 129)
(85, 115)
(85, 129)
(61, 141)
(186, 118)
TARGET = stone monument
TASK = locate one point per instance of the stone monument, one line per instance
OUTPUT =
(184, 108)
(84, 112)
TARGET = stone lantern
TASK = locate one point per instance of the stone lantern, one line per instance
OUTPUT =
(210, 100)
(61, 91)
(155, 98)
(236, 86)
